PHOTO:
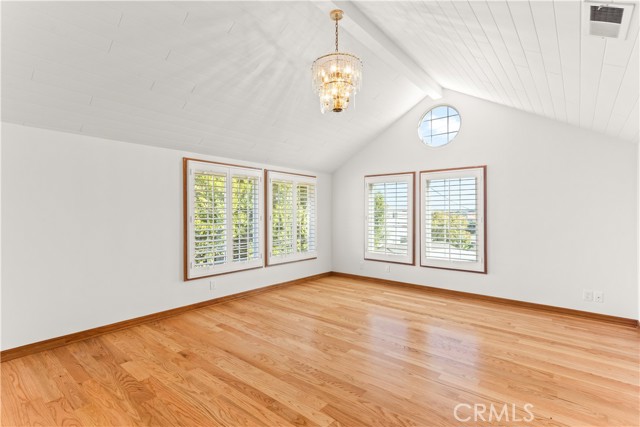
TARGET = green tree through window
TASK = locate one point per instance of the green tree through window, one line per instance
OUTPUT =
(282, 218)
(223, 224)
(291, 217)
(304, 201)
(453, 228)
(210, 219)
(245, 218)
(379, 226)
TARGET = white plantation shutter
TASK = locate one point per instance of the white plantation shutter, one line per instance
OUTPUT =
(306, 218)
(389, 218)
(450, 209)
(282, 218)
(245, 191)
(452, 218)
(291, 216)
(209, 219)
(223, 219)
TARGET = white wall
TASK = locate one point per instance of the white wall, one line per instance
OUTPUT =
(92, 232)
(562, 206)
(92, 228)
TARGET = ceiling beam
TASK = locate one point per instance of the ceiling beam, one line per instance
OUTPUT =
(368, 33)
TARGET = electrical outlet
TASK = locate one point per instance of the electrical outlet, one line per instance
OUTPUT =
(387, 268)
(598, 296)
(212, 286)
(587, 295)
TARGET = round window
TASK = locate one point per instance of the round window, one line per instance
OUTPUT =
(439, 126)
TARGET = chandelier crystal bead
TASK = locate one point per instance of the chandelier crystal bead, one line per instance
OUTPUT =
(337, 76)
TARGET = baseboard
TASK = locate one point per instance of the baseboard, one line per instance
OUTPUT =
(523, 304)
(14, 353)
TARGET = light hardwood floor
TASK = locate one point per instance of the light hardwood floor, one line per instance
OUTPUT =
(336, 352)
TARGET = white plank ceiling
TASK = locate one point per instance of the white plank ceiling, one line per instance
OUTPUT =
(233, 78)
(530, 55)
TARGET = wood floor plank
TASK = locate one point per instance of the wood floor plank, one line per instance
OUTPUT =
(63, 413)
(336, 352)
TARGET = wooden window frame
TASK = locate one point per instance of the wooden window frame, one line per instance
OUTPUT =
(483, 210)
(228, 266)
(296, 257)
(411, 258)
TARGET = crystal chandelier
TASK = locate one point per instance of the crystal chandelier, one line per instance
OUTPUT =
(336, 76)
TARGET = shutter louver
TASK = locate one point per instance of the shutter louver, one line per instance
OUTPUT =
(282, 218)
(306, 217)
(246, 218)
(223, 220)
(292, 217)
(388, 227)
(389, 218)
(452, 208)
(451, 218)
(210, 219)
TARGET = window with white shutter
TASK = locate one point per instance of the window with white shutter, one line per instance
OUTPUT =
(223, 218)
(305, 217)
(388, 221)
(282, 221)
(291, 217)
(453, 219)
(246, 214)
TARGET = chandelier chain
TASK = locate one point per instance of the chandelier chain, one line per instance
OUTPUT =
(336, 34)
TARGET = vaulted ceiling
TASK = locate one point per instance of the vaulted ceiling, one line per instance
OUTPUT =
(233, 78)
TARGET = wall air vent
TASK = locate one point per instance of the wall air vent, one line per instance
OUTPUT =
(607, 19)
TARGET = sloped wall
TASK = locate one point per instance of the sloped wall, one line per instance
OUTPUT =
(562, 206)
(92, 235)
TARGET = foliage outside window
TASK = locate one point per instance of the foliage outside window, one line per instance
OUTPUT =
(389, 218)
(452, 219)
(223, 218)
(305, 215)
(246, 218)
(455, 229)
(291, 203)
